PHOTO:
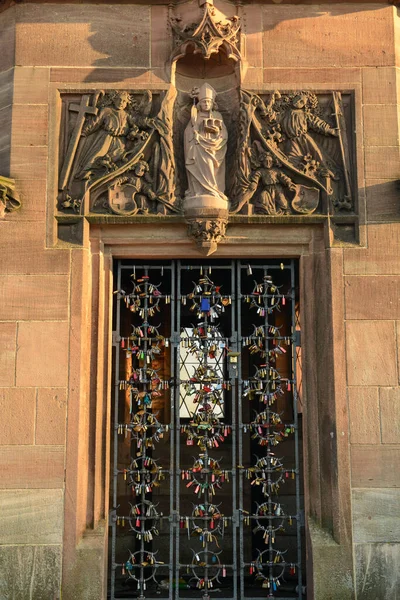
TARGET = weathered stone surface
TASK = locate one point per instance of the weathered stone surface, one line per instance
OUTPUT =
(30, 125)
(253, 29)
(88, 584)
(382, 162)
(26, 467)
(376, 515)
(30, 572)
(29, 257)
(42, 358)
(25, 297)
(382, 255)
(380, 297)
(31, 85)
(375, 466)
(311, 76)
(29, 162)
(390, 415)
(297, 36)
(83, 35)
(7, 353)
(6, 88)
(377, 571)
(17, 409)
(326, 555)
(381, 125)
(5, 126)
(31, 516)
(33, 208)
(126, 76)
(368, 361)
(382, 200)
(161, 42)
(379, 85)
(7, 40)
(364, 415)
(50, 416)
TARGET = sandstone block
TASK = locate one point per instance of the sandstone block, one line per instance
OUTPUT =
(31, 516)
(33, 208)
(377, 571)
(381, 124)
(382, 162)
(380, 294)
(390, 415)
(297, 36)
(30, 125)
(17, 409)
(369, 361)
(161, 41)
(382, 255)
(6, 88)
(382, 200)
(29, 255)
(308, 78)
(26, 467)
(127, 76)
(253, 29)
(376, 515)
(30, 572)
(5, 126)
(51, 416)
(7, 42)
(379, 85)
(42, 354)
(29, 162)
(25, 297)
(7, 353)
(31, 85)
(375, 466)
(364, 415)
(83, 35)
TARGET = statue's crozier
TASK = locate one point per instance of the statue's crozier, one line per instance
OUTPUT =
(205, 148)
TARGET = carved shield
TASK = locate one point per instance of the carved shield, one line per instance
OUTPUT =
(305, 200)
(121, 199)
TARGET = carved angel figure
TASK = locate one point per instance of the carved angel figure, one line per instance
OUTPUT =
(205, 144)
(108, 136)
(272, 199)
(295, 123)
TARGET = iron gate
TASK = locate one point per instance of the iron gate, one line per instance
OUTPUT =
(206, 432)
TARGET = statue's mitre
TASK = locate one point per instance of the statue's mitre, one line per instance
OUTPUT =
(207, 92)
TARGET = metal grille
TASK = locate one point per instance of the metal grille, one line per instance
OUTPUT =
(206, 432)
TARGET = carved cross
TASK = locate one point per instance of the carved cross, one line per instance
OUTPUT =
(82, 109)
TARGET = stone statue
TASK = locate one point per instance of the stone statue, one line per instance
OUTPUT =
(205, 145)
(108, 136)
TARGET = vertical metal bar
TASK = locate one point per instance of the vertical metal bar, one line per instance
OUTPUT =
(296, 426)
(240, 428)
(177, 422)
(234, 393)
(172, 394)
(115, 449)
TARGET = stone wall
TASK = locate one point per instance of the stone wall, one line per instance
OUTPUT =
(53, 316)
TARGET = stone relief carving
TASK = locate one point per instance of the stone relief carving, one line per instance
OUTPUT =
(214, 32)
(119, 133)
(9, 198)
(305, 145)
(132, 153)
